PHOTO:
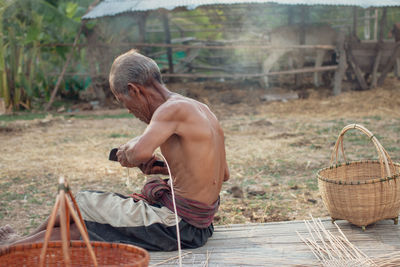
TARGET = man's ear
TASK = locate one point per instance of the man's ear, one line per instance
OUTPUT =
(134, 90)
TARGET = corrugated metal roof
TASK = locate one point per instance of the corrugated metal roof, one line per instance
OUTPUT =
(115, 7)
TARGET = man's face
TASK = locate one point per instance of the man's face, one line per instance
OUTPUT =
(135, 106)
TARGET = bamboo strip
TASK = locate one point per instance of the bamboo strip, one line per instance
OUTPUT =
(50, 226)
(331, 250)
(82, 229)
(175, 211)
(63, 219)
(207, 259)
(169, 259)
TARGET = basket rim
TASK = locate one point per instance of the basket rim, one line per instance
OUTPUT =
(79, 244)
(369, 181)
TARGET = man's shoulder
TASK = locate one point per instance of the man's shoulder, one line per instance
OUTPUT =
(177, 106)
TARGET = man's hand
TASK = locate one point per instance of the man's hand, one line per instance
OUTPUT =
(125, 150)
(122, 154)
(150, 167)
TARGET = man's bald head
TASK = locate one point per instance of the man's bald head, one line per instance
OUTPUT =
(135, 68)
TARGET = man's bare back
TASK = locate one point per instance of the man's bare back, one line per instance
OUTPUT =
(195, 151)
(192, 142)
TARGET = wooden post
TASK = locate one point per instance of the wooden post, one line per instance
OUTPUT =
(339, 73)
(382, 24)
(367, 26)
(390, 64)
(375, 68)
(304, 19)
(379, 49)
(168, 41)
(302, 40)
(355, 18)
(356, 68)
(141, 22)
(376, 25)
(93, 53)
(290, 15)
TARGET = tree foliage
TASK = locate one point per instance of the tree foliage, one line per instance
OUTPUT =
(27, 26)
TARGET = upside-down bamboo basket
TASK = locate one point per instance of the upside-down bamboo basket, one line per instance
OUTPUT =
(361, 192)
(71, 253)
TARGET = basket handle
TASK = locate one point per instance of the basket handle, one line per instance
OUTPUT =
(65, 209)
(384, 158)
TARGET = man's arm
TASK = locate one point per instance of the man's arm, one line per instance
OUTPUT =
(134, 140)
(161, 127)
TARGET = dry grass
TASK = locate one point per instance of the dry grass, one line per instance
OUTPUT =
(272, 147)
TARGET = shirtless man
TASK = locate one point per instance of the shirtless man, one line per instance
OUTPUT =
(192, 142)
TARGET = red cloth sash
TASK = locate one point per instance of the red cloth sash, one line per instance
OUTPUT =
(157, 190)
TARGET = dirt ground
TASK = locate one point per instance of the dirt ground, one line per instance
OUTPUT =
(274, 150)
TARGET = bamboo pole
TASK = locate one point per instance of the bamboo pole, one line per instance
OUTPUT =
(295, 71)
(232, 75)
(217, 47)
(228, 47)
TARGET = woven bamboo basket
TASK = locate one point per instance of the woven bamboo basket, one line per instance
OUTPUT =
(361, 192)
(71, 253)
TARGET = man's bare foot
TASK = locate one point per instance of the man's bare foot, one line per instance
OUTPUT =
(8, 235)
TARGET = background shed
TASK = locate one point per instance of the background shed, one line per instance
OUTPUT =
(225, 39)
(222, 40)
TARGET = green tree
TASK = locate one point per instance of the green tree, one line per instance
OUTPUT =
(27, 26)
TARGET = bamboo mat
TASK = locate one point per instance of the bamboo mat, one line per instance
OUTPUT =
(277, 244)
